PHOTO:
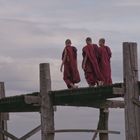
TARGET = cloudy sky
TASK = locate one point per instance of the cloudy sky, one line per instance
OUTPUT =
(34, 31)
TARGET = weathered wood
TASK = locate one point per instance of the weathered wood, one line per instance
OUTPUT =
(96, 133)
(3, 116)
(29, 102)
(118, 91)
(32, 100)
(136, 102)
(103, 123)
(31, 133)
(7, 134)
(84, 130)
(114, 104)
(106, 104)
(84, 95)
(131, 90)
(47, 113)
(97, 104)
(68, 98)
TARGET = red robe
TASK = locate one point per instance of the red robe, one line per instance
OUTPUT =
(92, 71)
(104, 63)
(71, 73)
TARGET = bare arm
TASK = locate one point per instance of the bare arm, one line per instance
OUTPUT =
(64, 59)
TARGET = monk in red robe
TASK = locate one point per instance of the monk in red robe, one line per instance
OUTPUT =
(104, 61)
(90, 63)
(69, 61)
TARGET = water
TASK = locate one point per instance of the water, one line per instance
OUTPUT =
(68, 118)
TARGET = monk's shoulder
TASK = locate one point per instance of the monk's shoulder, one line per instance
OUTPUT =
(108, 48)
(66, 48)
(84, 48)
(95, 46)
(74, 48)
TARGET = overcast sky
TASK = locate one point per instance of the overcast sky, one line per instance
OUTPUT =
(34, 31)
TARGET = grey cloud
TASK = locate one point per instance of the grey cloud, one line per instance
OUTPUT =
(72, 11)
(129, 3)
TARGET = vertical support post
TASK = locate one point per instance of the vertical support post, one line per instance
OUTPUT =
(3, 116)
(47, 113)
(103, 123)
(131, 90)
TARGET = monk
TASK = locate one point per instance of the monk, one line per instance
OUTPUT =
(69, 61)
(90, 64)
(104, 61)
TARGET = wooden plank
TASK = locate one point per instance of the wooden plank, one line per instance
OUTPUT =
(84, 94)
(65, 98)
(106, 104)
(18, 104)
(87, 97)
(31, 133)
(96, 104)
(131, 90)
(83, 130)
(21, 106)
(47, 113)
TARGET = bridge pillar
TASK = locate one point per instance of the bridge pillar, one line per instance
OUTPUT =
(131, 91)
(47, 112)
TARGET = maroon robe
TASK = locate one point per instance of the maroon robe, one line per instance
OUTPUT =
(104, 63)
(92, 71)
(71, 73)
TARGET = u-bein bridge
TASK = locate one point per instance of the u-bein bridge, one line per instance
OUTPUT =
(97, 97)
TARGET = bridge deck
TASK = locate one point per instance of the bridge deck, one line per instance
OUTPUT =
(89, 96)
(84, 96)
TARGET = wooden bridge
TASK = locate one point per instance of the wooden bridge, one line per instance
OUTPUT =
(98, 97)
(86, 97)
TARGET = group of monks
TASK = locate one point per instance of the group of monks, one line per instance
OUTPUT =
(95, 64)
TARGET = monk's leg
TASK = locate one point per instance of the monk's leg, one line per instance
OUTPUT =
(67, 80)
(66, 76)
(90, 79)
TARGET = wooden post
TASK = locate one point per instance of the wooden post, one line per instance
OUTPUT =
(3, 116)
(103, 123)
(47, 113)
(131, 91)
